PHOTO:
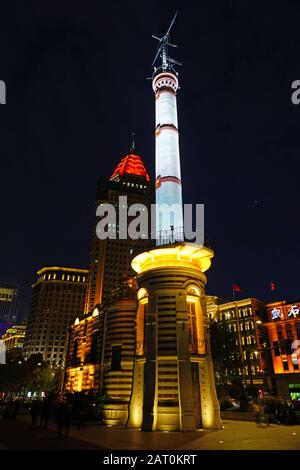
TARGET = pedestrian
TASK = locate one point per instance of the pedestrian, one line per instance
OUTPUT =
(8, 410)
(283, 413)
(257, 413)
(59, 418)
(291, 415)
(35, 411)
(45, 413)
(67, 416)
(14, 410)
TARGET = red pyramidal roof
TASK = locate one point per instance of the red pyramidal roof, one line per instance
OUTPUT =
(132, 164)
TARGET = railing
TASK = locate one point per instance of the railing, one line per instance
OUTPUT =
(168, 237)
(162, 238)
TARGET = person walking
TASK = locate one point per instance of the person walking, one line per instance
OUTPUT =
(59, 414)
(35, 411)
(8, 410)
(257, 413)
(45, 413)
(14, 410)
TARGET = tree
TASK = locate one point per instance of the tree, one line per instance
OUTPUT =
(225, 353)
(46, 378)
(35, 375)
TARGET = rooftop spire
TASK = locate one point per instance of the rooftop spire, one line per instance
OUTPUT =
(162, 51)
(132, 149)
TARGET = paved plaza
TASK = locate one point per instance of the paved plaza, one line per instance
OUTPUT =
(236, 435)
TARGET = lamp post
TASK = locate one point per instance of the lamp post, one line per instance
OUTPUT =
(249, 367)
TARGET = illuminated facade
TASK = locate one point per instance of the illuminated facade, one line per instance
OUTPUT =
(173, 385)
(168, 175)
(118, 354)
(101, 353)
(83, 360)
(283, 327)
(110, 334)
(110, 259)
(173, 381)
(245, 319)
(58, 296)
(14, 338)
(8, 303)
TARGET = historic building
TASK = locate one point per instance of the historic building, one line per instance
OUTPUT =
(153, 362)
(13, 338)
(283, 328)
(245, 319)
(102, 339)
(58, 297)
(173, 380)
(101, 353)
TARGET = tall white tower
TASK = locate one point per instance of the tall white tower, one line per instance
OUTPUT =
(169, 216)
(173, 381)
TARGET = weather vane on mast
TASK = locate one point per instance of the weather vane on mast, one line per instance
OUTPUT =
(162, 50)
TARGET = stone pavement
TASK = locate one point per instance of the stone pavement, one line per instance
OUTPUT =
(236, 435)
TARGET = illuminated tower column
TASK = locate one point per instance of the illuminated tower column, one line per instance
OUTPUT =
(168, 177)
(173, 381)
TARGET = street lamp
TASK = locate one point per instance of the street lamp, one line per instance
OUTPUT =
(249, 366)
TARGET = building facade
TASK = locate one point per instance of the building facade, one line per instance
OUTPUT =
(101, 353)
(8, 303)
(245, 319)
(84, 353)
(101, 345)
(156, 368)
(110, 258)
(14, 338)
(283, 327)
(173, 380)
(58, 297)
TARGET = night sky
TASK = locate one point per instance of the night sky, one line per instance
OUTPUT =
(76, 88)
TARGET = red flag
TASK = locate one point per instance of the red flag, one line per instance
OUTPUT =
(273, 285)
(236, 288)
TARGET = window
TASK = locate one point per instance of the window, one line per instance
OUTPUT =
(276, 348)
(116, 357)
(285, 365)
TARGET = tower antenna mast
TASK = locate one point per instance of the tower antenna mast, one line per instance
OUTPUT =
(162, 50)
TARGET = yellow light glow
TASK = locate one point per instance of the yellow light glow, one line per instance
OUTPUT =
(142, 293)
(183, 254)
(58, 268)
(194, 290)
(190, 298)
(95, 312)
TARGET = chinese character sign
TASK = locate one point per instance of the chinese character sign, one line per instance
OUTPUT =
(276, 313)
(294, 311)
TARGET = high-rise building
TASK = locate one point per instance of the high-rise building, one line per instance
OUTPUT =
(110, 258)
(8, 303)
(283, 327)
(58, 297)
(102, 338)
(173, 381)
(245, 320)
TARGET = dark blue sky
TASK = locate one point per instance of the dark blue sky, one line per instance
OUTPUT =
(76, 88)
